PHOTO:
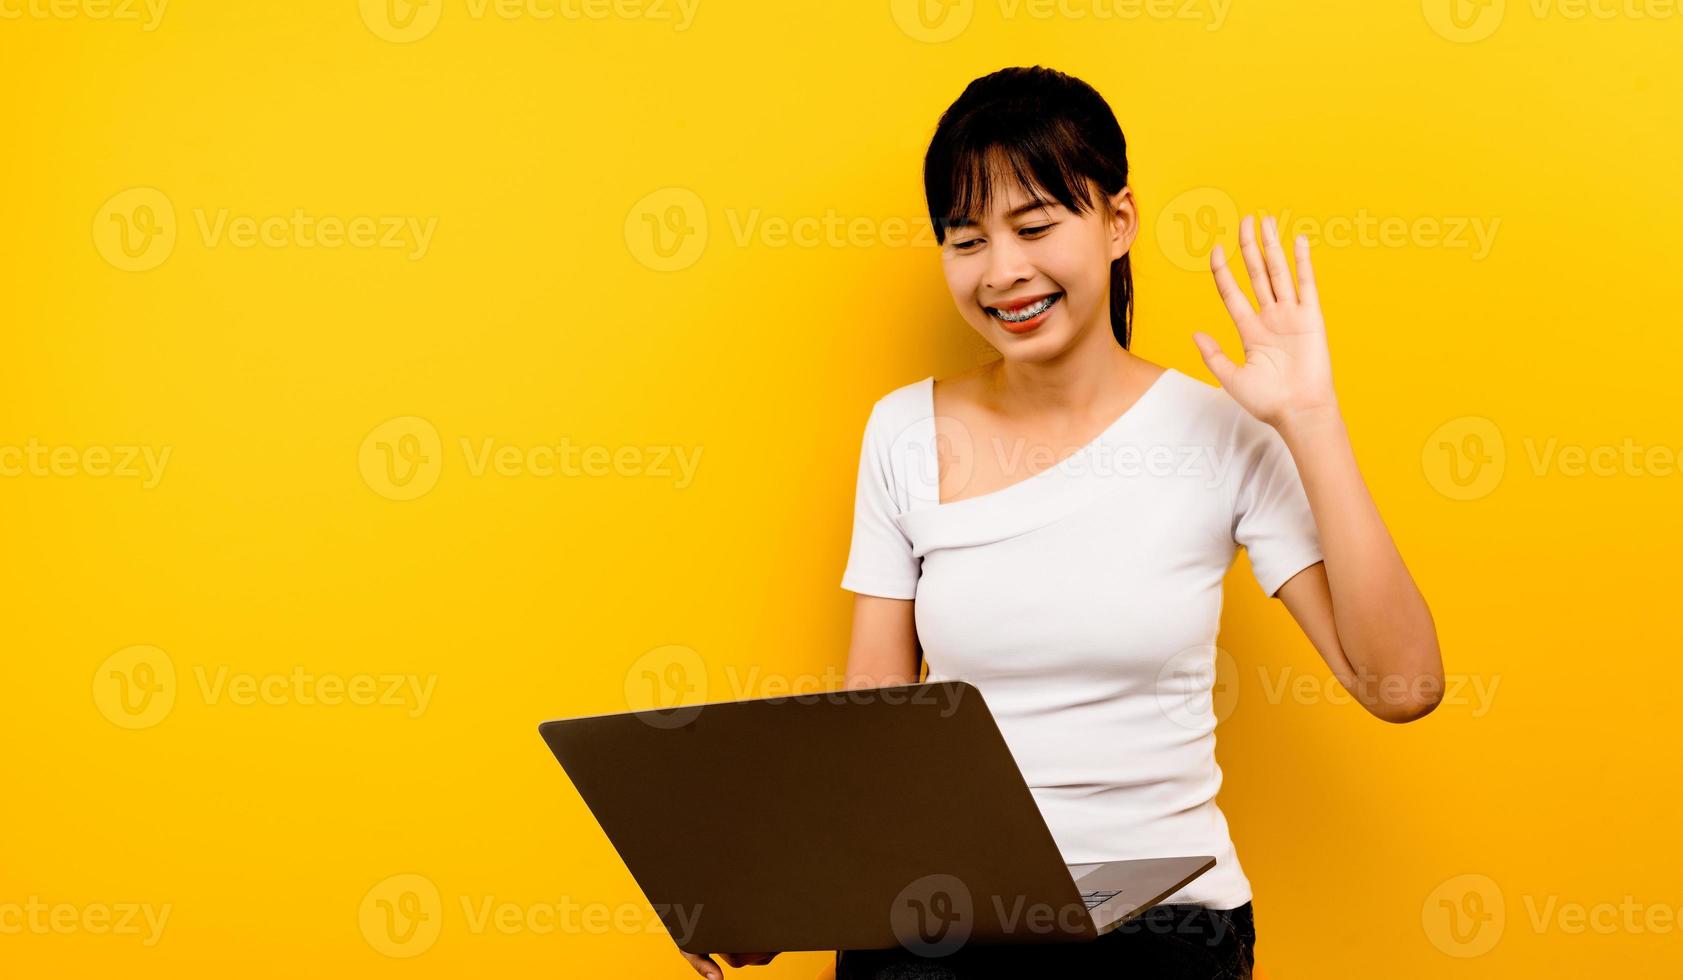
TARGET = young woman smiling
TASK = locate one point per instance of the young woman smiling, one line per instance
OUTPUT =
(1012, 528)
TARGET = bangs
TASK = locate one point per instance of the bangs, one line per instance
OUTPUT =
(1037, 157)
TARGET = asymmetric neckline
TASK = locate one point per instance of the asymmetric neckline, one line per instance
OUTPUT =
(1104, 437)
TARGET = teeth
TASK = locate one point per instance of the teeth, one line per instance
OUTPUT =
(1026, 313)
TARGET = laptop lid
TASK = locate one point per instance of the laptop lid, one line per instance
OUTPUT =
(861, 819)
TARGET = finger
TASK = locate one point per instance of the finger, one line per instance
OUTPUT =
(1237, 303)
(705, 966)
(1253, 262)
(1307, 294)
(1279, 272)
(1219, 364)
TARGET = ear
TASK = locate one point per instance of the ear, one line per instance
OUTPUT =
(1124, 221)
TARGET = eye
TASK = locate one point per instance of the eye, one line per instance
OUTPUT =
(965, 245)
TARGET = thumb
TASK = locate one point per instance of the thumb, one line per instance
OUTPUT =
(1218, 363)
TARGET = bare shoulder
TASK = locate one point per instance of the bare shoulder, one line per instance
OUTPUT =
(1150, 371)
(962, 395)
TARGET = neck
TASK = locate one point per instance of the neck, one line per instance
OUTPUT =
(1079, 384)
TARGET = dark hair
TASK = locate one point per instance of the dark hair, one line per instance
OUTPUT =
(1051, 129)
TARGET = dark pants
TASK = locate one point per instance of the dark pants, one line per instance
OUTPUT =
(1168, 942)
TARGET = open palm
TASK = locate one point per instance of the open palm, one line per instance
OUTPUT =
(1287, 371)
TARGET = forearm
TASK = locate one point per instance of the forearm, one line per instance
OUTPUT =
(1384, 626)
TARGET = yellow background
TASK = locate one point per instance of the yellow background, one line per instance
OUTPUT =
(544, 151)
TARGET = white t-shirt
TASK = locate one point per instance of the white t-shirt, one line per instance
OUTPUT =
(1083, 603)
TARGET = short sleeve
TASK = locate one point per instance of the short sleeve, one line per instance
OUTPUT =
(1271, 516)
(880, 560)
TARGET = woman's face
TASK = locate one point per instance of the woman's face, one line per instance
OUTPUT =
(1030, 248)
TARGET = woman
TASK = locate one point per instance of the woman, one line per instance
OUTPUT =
(1082, 599)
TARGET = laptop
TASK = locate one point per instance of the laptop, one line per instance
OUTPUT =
(855, 819)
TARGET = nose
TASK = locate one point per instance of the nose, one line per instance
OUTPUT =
(1008, 264)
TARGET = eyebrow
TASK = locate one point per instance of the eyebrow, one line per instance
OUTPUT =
(965, 221)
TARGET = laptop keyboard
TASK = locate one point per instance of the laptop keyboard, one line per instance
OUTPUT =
(1095, 899)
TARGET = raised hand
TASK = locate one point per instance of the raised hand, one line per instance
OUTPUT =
(1287, 374)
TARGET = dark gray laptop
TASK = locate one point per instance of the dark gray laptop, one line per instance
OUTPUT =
(862, 819)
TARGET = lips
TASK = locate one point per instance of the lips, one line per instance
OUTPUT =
(1016, 305)
(1025, 316)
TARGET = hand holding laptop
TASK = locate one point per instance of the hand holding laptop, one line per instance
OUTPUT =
(707, 968)
(868, 845)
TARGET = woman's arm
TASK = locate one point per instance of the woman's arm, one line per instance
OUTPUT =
(884, 649)
(1374, 629)
(1360, 607)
